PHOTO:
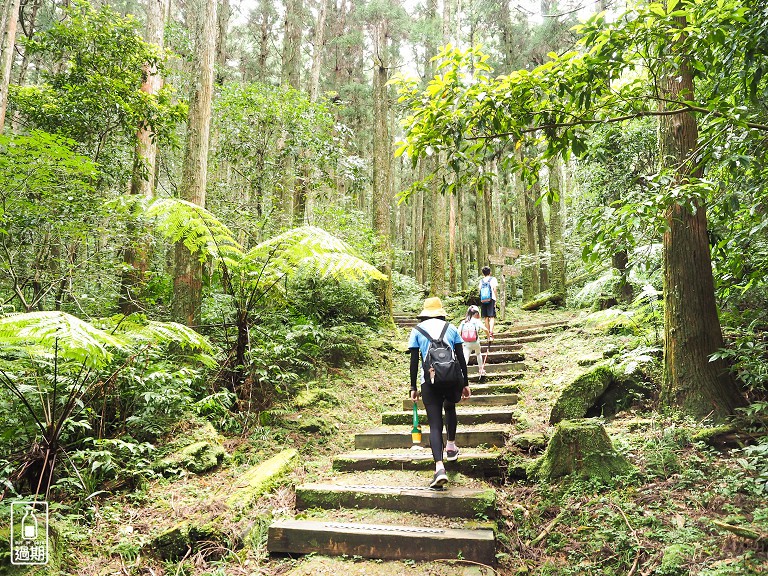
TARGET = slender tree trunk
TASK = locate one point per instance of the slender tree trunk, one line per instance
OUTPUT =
(188, 280)
(526, 237)
(137, 253)
(461, 238)
(292, 30)
(541, 236)
(482, 236)
(318, 49)
(691, 325)
(30, 31)
(530, 223)
(556, 244)
(381, 162)
(7, 51)
(224, 14)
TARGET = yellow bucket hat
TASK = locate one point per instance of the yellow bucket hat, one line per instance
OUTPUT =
(432, 308)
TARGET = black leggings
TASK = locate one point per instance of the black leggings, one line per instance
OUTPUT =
(435, 419)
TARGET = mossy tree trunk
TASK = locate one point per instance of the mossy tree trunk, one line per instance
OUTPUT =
(556, 243)
(692, 330)
(188, 278)
(583, 448)
(382, 175)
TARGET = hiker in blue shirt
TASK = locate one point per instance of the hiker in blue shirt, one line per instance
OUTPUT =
(435, 395)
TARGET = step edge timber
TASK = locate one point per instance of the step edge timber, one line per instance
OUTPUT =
(383, 541)
(486, 464)
(459, 502)
(498, 400)
(386, 439)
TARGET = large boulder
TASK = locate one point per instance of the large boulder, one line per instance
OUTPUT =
(583, 448)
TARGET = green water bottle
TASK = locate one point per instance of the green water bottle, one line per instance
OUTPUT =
(416, 430)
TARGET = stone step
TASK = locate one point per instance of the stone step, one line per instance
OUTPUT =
(400, 437)
(474, 400)
(466, 416)
(470, 463)
(456, 501)
(496, 387)
(498, 356)
(499, 367)
(380, 541)
(475, 378)
(533, 330)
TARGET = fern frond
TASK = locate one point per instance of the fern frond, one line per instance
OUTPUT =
(314, 248)
(199, 230)
(38, 333)
(137, 329)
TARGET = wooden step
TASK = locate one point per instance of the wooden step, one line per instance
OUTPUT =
(461, 502)
(474, 463)
(380, 541)
(500, 367)
(474, 377)
(400, 437)
(467, 416)
(474, 400)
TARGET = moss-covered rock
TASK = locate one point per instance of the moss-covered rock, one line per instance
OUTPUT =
(540, 300)
(197, 458)
(316, 426)
(581, 447)
(674, 560)
(581, 394)
(316, 397)
(530, 441)
(259, 479)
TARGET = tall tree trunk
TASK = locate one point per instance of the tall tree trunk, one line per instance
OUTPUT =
(382, 195)
(266, 14)
(480, 223)
(318, 49)
(225, 12)
(528, 266)
(7, 51)
(188, 279)
(691, 325)
(556, 245)
(461, 238)
(541, 237)
(30, 32)
(136, 256)
(291, 70)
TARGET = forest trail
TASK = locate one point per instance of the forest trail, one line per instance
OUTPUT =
(385, 472)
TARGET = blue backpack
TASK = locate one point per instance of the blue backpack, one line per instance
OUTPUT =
(486, 294)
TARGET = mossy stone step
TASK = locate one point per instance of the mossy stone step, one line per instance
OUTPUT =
(497, 387)
(454, 502)
(384, 438)
(496, 356)
(380, 541)
(474, 377)
(504, 340)
(483, 464)
(465, 416)
(499, 367)
(474, 400)
(541, 326)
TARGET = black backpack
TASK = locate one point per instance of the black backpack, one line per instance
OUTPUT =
(440, 365)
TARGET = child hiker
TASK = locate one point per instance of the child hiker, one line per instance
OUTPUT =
(443, 380)
(469, 332)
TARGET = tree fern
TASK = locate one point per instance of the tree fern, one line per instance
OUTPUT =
(36, 334)
(200, 231)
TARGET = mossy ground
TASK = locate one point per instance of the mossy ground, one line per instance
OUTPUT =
(604, 529)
